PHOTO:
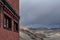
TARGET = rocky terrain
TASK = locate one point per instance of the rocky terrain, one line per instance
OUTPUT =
(50, 34)
(27, 34)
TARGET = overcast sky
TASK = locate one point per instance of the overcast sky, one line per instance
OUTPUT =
(40, 13)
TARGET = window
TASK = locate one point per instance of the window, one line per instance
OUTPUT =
(0, 9)
(7, 22)
(16, 29)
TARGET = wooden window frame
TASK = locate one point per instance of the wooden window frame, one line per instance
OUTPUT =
(6, 22)
(0, 9)
(16, 27)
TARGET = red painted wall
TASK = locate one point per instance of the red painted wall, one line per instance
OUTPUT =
(9, 34)
(14, 4)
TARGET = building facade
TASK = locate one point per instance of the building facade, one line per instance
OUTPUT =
(9, 19)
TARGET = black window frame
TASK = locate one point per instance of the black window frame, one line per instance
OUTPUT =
(16, 27)
(8, 27)
(0, 9)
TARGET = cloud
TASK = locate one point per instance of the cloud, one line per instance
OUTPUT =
(40, 13)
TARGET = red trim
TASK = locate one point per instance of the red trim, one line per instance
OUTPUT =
(8, 12)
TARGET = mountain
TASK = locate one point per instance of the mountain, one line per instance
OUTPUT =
(26, 34)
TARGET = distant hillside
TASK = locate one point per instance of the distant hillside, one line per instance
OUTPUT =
(44, 28)
(38, 28)
(26, 34)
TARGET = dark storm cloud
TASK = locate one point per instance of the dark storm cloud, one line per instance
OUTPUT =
(40, 13)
